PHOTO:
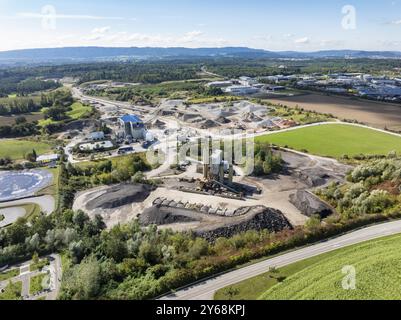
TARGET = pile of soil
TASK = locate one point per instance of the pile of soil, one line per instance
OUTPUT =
(120, 195)
(209, 124)
(310, 205)
(161, 215)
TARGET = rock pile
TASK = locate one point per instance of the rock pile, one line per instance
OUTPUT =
(257, 218)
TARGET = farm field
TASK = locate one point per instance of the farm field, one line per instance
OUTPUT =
(336, 140)
(17, 149)
(375, 114)
(377, 265)
(30, 117)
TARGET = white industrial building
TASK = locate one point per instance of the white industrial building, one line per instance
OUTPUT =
(132, 127)
(96, 136)
(242, 90)
(220, 84)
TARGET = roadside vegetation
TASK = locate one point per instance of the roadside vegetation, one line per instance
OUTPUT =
(9, 274)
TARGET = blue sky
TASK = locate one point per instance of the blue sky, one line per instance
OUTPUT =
(306, 25)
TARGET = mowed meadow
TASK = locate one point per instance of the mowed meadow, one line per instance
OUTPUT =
(16, 149)
(336, 140)
(377, 264)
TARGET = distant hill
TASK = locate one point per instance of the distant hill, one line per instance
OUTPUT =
(81, 54)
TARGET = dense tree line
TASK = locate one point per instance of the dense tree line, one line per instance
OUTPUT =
(19, 105)
(23, 129)
(23, 82)
(35, 85)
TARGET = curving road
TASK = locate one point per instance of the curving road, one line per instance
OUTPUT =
(206, 289)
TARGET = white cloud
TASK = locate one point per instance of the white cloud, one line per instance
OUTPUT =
(101, 30)
(397, 22)
(33, 15)
(191, 36)
(304, 40)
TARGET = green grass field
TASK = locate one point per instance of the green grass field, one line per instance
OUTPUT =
(12, 291)
(78, 111)
(336, 140)
(17, 149)
(10, 274)
(36, 284)
(377, 265)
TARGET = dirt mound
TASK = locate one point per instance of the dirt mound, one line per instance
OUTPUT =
(120, 195)
(160, 215)
(310, 205)
(223, 120)
(314, 177)
(209, 124)
(158, 124)
(250, 117)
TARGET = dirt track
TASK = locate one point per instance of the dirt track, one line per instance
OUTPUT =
(376, 114)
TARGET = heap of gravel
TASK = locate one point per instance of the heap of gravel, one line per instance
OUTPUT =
(161, 215)
(258, 218)
(254, 218)
(120, 195)
(309, 204)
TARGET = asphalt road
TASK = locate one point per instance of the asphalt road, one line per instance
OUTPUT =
(205, 290)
